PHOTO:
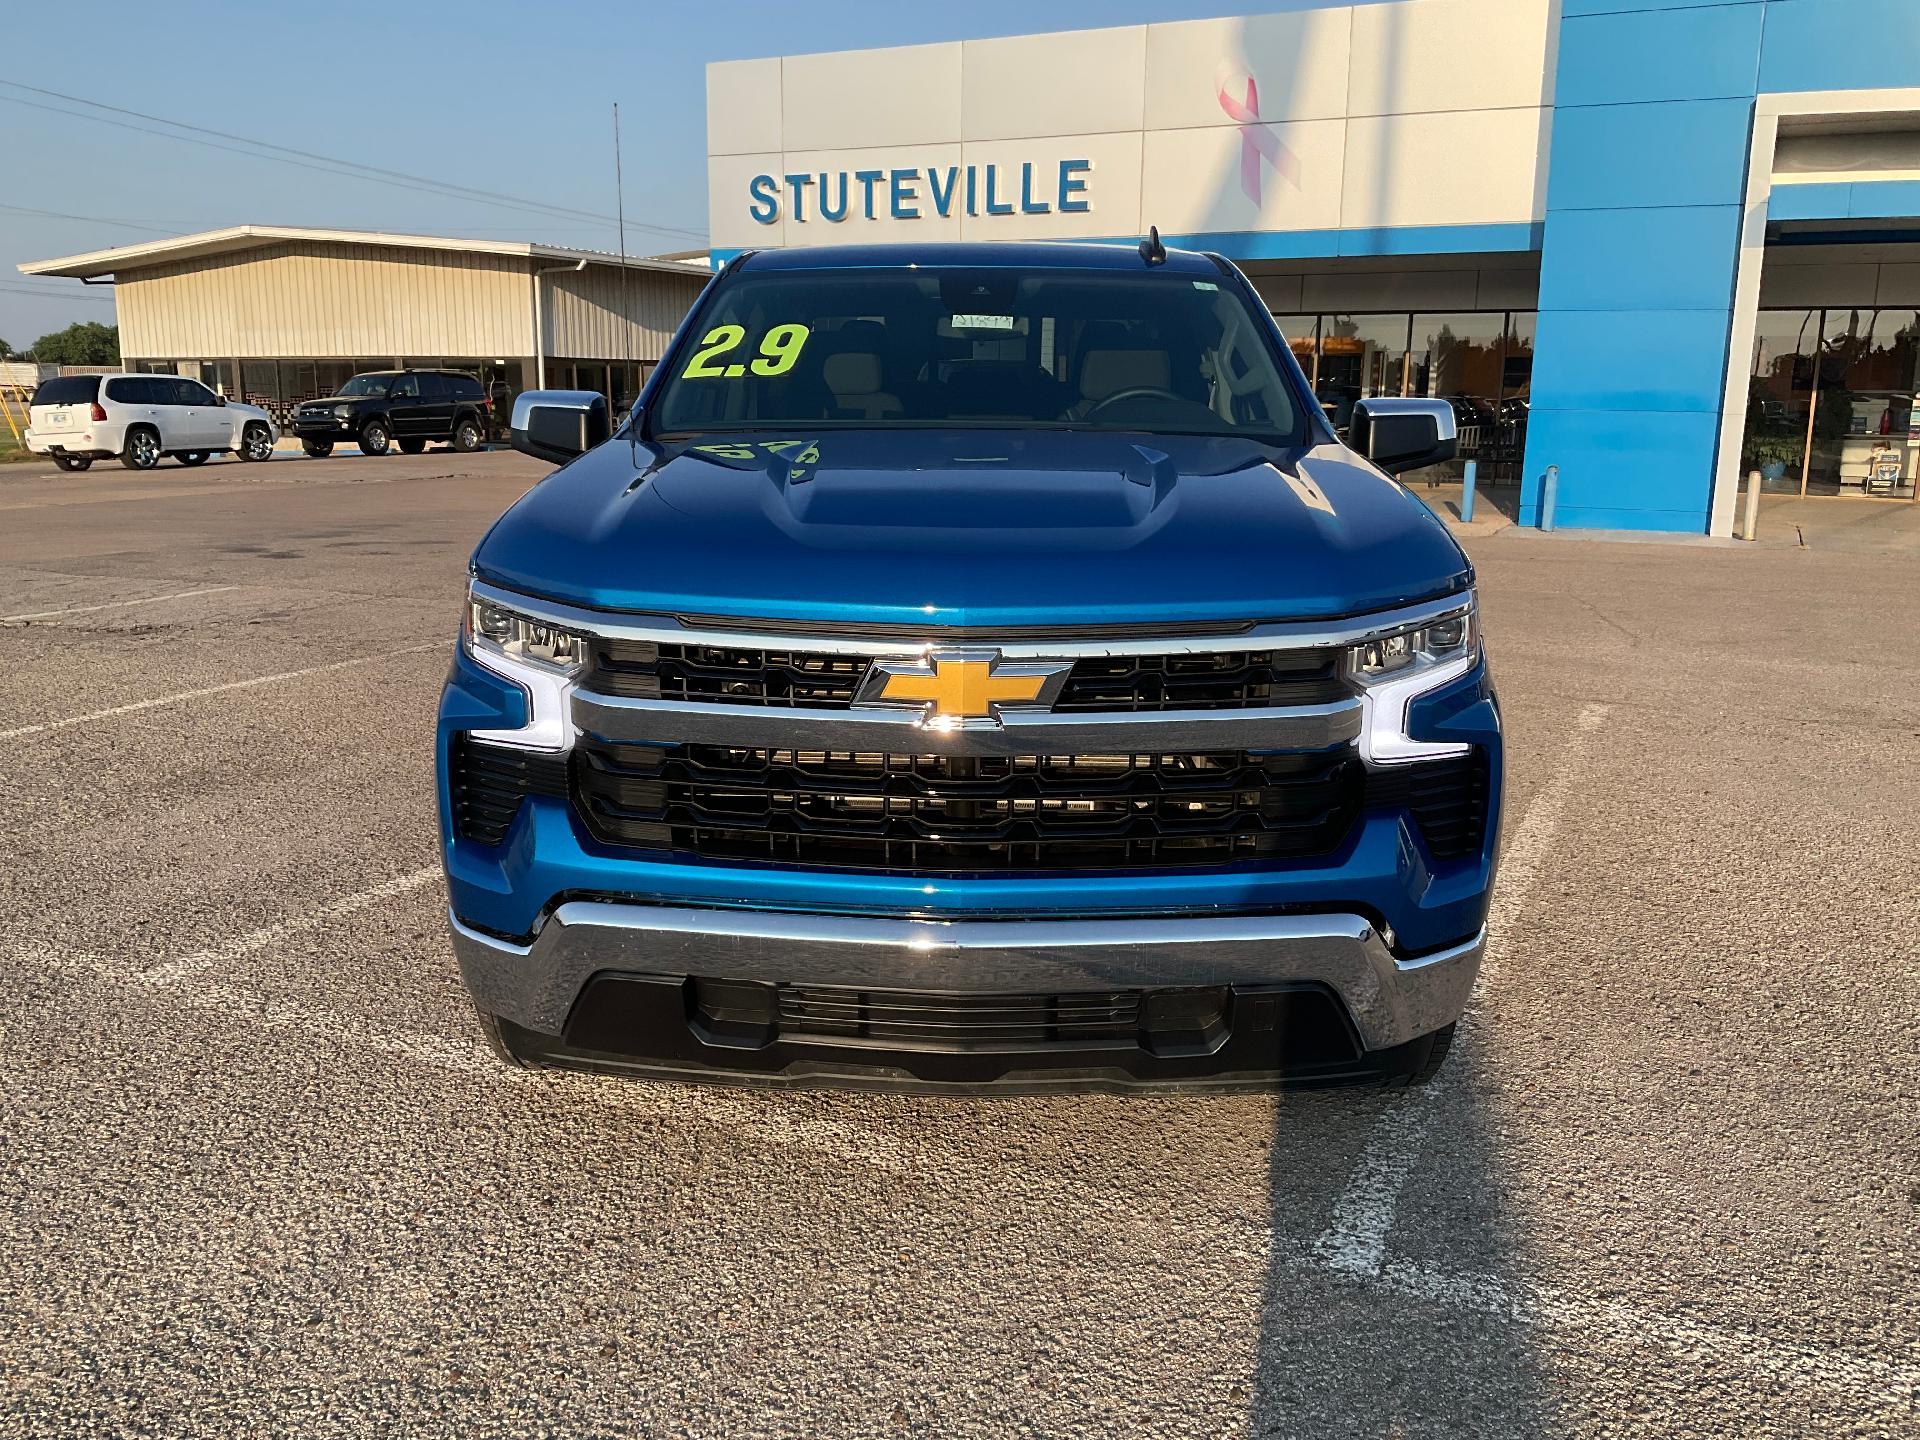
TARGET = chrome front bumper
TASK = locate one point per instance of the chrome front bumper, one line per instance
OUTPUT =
(1392, 1001)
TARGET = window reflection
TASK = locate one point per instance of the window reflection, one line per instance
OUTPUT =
(1479, 361)
(1831, 403)
(1360, 356)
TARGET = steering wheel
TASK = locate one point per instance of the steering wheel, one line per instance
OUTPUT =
(1135, 392)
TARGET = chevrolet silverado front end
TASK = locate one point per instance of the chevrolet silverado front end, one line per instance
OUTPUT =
(973, 667)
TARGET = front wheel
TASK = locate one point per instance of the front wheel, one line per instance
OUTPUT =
(318, 449)
(497, 1041)
(466, 435)
(73, 462)
(1425, 1064)
(256, 443)
(142, 450)
(192, 457)
(375, 438)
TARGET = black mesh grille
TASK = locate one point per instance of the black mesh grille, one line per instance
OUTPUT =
(489, 781)
(927, 813)
(1217, 680)
(732, 675)
(945, 1021)
(1448, 799)
(644, 670)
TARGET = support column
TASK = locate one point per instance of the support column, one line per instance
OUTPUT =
(1653, 109)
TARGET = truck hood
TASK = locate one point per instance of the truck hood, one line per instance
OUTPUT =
(973, 527)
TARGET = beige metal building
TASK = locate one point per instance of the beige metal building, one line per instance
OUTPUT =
(276, 315)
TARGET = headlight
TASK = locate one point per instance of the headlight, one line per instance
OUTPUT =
(521, 637)
(342, 412)
(1395, 669)
(540, 658)
(1434, 643)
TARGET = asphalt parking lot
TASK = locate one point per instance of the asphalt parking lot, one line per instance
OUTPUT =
(261, 1177)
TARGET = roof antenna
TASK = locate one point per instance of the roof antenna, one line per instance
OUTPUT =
(1151, 250)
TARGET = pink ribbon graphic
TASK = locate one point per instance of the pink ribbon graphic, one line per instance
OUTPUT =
(1257, 142)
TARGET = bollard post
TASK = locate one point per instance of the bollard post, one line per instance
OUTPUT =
(1549, 493)
(1751, 527)
(1466, 491)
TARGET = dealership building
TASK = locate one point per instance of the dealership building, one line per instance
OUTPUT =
(1648, 246)
(277, 315)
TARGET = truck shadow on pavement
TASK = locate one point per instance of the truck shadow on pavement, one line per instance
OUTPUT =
(1390, 1286)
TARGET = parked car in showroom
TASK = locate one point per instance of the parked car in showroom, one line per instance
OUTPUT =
(78, 419)
(384, 408)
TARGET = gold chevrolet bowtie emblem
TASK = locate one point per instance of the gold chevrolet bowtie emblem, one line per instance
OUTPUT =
(961, 685)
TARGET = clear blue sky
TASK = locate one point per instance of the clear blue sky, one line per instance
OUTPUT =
(505, 97)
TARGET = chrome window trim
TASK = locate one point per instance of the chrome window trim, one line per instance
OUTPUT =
(1271, 635)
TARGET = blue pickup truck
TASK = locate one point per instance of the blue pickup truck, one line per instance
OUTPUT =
(973, 667)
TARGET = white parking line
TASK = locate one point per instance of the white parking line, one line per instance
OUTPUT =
(1355, 1242)
(172, 972)
(44, 726)
(1832, 1369)
(113, 605)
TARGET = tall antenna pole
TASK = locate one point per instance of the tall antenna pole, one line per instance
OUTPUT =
(626, 284)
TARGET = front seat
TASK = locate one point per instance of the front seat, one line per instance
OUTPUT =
(854, 378)
(1106, 371)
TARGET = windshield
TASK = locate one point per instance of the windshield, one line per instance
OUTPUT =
(367, 385)
(991, 348)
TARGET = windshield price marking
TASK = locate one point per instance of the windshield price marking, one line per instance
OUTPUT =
(779, 351)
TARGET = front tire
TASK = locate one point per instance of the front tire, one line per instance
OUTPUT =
(142, 449)
(375, 438)
(1426, 1065)
(318, 449)
(256, 443)
(497, 1042)
(467, 436)
(73, 462)
(192, 457)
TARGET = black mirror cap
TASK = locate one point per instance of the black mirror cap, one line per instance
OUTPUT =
(559, 425)
(1401, 435)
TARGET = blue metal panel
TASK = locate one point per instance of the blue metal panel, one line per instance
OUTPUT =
(1842, 200)
(1439, 239)
(1677, 152)
(1383, 240)
(1810, 202)
(1599, 258)
(1649, 463)
(1670, 54)
(1630, 360)
(1612, 7)
(1840, 45)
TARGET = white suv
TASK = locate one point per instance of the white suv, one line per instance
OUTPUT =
(78, 419)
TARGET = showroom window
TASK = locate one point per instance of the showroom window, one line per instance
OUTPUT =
(1831, 402)
(1480, 361)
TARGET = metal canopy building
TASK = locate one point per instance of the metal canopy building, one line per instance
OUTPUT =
(276, 315)
(1646, 245)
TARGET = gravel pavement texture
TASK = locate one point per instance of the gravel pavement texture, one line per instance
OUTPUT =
(258, 1175)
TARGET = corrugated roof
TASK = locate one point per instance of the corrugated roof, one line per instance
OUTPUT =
(96, 263)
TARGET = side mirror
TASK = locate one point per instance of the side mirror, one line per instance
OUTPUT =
(219, 399)
(558, 425)
(1400, 435)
